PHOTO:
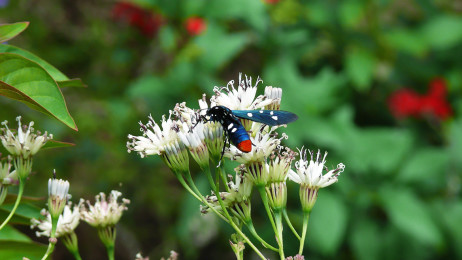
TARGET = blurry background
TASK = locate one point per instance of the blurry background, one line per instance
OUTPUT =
(376, 83)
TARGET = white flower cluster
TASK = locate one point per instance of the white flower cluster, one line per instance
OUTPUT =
(266, 164)
(67, 222)
(205, 138)
(105, 211)
(25, 142)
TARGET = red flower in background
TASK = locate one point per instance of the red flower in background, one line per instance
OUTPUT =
(147, 22)
(406, 102)
(195, 25)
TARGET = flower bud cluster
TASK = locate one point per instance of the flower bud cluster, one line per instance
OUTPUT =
(237, 200)
(7, 177)
(23, 144)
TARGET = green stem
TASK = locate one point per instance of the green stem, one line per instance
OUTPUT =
(198, 193)
(51, 247)
(286, 217)
(71, 243)
(231, 222)
(255, 234)
(16, 204)
(278, 218)
(110, 251)
(186, 186)
(222, 174)
(52, 240)
(306, 217)
(107, 235)
(264, 199)
(76, 255)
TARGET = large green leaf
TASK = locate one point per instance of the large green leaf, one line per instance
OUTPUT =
(443, 31)
(450, 213)
(25, 210)
(408, 213)
(9, 233)
(328, 223)
(71, 83)
(26, 81)
(406, 41)
(62, 80)
(424, 165)
(9, 31)
(360, 67)
(18, 250)
(213, 58)
(366, 239)
(54, 72)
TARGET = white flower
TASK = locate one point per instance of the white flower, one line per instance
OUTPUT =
(104, 212)
(58, 188)
(67, 222)
(164, 142)
(240, 98)
(279, 165)
(154, 139)
(25, 142)
(57, 196)
(213, 132)
(310, 172)
(263, 145)
(310, 177)
(275, 95)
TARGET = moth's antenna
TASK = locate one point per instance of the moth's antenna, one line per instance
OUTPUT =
(199, 117)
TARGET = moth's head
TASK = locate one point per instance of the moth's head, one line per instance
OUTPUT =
(217, 112)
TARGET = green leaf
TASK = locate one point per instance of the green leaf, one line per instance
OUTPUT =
(18, 250)
(360, 67)
(328, 222)
(425, 163)
(252, 12)
(9, 233)
(451, 214)
(214, 58)
(378, 150)
(57, 144)
(410, 215)
(15, 219)
(11, 198)
(71, 83)
(351, 12)
(407, 41)
(28, 82)
(443, 31)
(455, 143)
(54, 72)
(9, 31)
(366, 239)
(25, 210)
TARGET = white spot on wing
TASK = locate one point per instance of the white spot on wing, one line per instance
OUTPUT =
(234, 130)
(271, 113)
(249, 114)
(261, 111)
(275, 117)
(230, 126)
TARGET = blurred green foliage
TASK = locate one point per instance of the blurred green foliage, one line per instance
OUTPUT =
(337, 62)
